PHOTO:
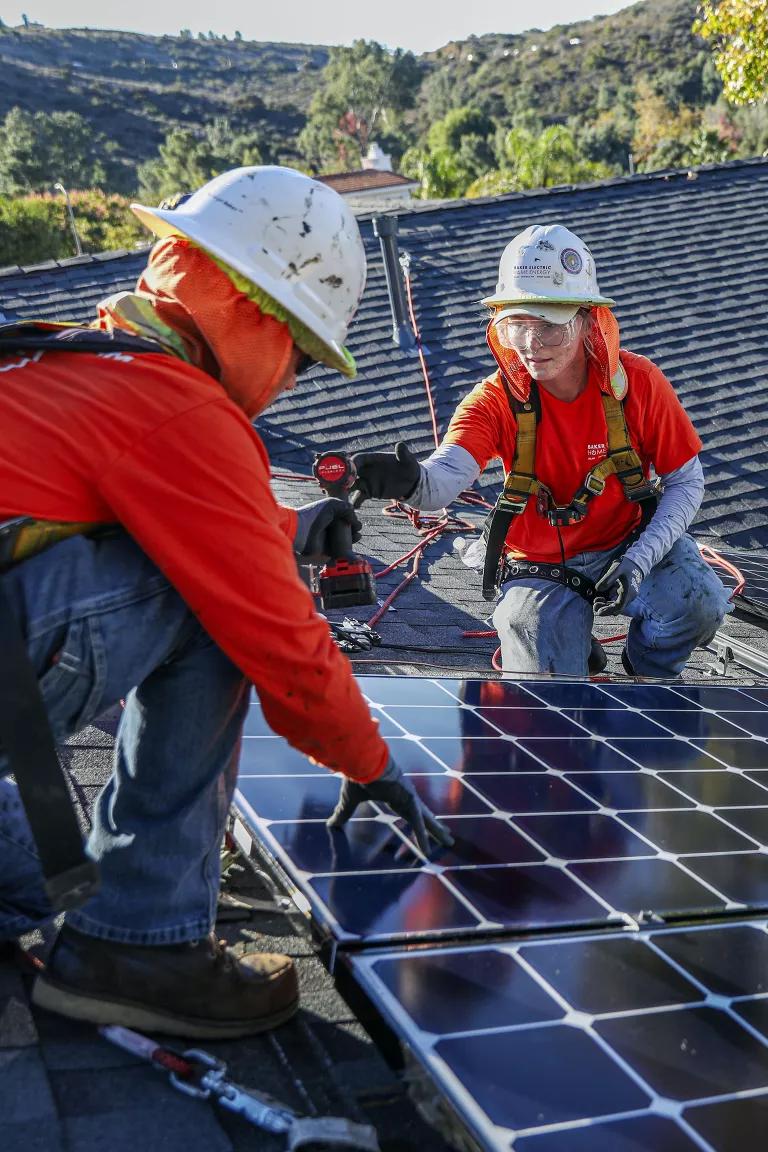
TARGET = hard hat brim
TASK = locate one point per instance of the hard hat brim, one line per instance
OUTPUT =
(176, 222)
(552, 313)
(499, 300)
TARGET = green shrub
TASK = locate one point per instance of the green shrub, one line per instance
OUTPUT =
(36, 227)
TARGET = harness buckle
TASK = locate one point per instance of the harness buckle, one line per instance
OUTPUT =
(592, 484)
(516, 507)
(564, 515)
(650, 490)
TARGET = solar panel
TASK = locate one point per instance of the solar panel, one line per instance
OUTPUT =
(571, 804)
(651, 1041)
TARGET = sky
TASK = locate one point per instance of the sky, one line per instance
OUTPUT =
(420, 25)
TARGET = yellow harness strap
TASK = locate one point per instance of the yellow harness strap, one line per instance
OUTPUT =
(622, 461)
(24, 537)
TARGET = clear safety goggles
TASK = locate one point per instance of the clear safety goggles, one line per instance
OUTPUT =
(523, 334)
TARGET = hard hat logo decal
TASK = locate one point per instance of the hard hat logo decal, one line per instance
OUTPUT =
(571, 261)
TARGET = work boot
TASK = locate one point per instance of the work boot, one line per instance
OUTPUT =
(198, 989)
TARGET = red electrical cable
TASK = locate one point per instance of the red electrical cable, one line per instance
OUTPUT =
(713, 557)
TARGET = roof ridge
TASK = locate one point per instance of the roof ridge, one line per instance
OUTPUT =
(72, 261)
(661, 175)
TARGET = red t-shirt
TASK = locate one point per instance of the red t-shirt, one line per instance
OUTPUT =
(571, 438)
(156, 445)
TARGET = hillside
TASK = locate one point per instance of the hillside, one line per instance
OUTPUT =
(575, 69)
(132, 89)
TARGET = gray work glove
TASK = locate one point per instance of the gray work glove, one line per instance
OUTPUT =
(385, 475)
(617, 587)
(397, 792)
(315, 531)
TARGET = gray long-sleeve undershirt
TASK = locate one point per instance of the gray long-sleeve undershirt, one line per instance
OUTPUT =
(450, 469)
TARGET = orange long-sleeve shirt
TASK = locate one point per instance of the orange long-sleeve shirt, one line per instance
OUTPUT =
(156, 445)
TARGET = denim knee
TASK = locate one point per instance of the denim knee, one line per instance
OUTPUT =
(708, 606)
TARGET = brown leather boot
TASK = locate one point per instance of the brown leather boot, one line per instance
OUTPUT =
(198, 990)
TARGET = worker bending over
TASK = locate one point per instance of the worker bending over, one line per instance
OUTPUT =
(180, 589)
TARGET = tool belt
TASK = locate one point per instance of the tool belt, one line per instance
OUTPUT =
(568, 577)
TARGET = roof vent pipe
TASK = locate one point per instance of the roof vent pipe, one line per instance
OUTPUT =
(385, 227)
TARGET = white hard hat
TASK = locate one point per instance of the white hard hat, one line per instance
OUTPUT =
(547, 264)
(290, 235)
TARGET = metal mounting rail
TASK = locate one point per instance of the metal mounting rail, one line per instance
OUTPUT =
(729, 650)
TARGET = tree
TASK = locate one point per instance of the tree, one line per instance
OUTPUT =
(364, 89)
(660, 133)
(185, 160)
(552, 157)
(37, 149)
(739, 29)
(458, 150)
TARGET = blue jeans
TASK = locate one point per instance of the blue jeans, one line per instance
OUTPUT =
(103, 624)
(545, 628)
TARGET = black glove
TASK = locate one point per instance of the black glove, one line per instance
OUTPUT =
(617, 587)
(315, 529)
(397, 792)
(385, 475)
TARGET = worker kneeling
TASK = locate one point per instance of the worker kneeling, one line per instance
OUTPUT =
(180, 590)
(580, 527)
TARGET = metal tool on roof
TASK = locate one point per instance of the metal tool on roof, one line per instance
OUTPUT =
(199, 1074)
(347, 579)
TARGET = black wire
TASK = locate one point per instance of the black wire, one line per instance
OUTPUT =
(430, 648)
(562, 547)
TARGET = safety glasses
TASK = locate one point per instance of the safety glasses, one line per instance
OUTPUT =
(523, 334)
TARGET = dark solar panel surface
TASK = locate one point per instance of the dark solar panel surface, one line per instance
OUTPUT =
(571, 804)
(585, 816)
(654, 1041)
(754, 569)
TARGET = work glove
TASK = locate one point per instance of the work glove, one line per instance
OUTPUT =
(617, 587)
(385, 475)
(397, 792)
(317, 527)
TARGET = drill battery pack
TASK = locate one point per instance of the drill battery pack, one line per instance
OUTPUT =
(345, 583)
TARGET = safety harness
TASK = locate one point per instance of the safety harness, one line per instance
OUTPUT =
(622, 461)
(71, 877)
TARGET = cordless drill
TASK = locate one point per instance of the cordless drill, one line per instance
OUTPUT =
(347, 579)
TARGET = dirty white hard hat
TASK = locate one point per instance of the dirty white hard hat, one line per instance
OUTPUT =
(547, 265)
(293, 237)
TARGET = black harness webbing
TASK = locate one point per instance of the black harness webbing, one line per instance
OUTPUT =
(41, 336)
(71, 877)
(569, 577)
(521, 483)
